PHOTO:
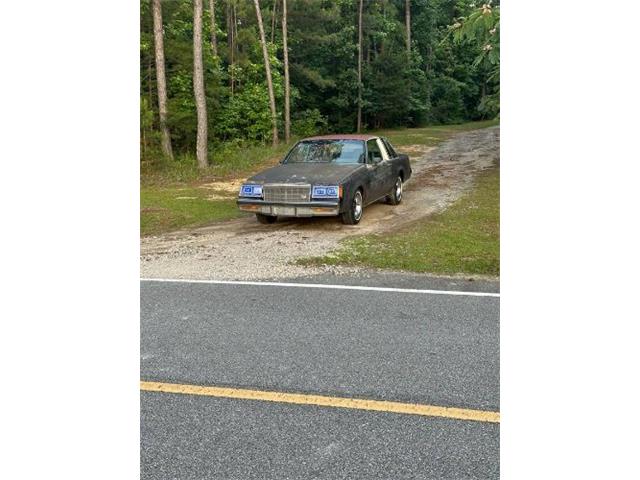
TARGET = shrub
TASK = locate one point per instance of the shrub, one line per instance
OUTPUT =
(308, 122)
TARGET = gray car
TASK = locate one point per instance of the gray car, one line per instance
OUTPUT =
(328, 175)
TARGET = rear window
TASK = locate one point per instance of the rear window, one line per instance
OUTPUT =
(327, 151)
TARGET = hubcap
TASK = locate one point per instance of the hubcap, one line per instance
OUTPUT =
(357, 206)
(398, 189)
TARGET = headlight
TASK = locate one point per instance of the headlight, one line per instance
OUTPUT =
(250, 190)
(326, 191)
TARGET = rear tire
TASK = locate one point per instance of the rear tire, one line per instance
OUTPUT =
(266, 219)
(395, 197)
(354, 214)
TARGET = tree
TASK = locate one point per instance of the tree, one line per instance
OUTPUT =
(231, 43)
(273, 20)
(214, 39)
(344, 59)
(482, 28)
(359, 121)
(198, 86)
(267, 67)
(287, 87)
(161, 77)
(407, 21)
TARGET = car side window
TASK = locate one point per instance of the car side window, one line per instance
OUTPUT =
(383, 149)
(390, 149)
(373, 152)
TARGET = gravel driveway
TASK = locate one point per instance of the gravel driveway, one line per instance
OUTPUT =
(243, 249)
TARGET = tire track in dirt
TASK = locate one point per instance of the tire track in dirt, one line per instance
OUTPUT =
(243, 249)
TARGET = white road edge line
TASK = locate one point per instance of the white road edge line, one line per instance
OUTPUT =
(322, 285)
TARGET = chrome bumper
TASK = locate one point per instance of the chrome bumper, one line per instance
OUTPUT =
(306, 209)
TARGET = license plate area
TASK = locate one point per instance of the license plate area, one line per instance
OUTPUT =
(284, 211)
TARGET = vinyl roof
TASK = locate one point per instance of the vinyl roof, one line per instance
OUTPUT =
(338, 136)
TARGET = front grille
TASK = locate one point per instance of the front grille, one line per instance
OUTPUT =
(286, 193)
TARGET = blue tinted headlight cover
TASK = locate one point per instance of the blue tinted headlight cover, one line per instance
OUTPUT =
(250, 190)
(325, 191)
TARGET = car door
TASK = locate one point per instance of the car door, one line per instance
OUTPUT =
(398, 161)
(389, 167)
(377, 171)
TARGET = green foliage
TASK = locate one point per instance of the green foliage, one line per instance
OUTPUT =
(482, 28)
(448, 104)
(308, 123)
(449, 75)
(149, 138)
(246, 116)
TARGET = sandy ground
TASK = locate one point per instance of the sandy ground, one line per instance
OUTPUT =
(243, 249)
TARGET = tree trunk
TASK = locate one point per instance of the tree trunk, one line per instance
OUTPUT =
(359, 124)
(214, 39)
(230, 44)
(161, 78)
(407, 19)
(236, 51)
(267, 67)
(287, 113)
(198, 86)
(273, 20)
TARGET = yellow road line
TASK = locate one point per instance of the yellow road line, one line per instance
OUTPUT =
(325, 401)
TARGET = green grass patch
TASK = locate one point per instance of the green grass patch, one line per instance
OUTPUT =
(430, 136)
(171, 193)
(465, 238)
(170, 208)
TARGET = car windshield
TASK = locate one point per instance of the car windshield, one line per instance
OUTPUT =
(327, 151)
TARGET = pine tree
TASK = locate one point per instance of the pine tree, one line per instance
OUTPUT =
(359, 122)
(214, 39)
(267, 67)
(287, 87)
(407, 21)
(161, 77)
(198, 86)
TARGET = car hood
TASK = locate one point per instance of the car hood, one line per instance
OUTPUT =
(312, 173)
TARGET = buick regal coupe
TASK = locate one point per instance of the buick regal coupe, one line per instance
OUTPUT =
(328, 175)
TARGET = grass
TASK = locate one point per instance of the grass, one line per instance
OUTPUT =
(430, 136)
(169, 208)
(172, 194)
(465, 238)
(166, 187)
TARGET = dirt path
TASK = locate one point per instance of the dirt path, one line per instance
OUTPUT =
(243, 249)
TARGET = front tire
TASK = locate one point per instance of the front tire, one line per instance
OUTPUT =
(353, 215)
(395, 197)
(266, 219)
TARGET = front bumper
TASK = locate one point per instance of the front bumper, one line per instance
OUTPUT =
(306, 209)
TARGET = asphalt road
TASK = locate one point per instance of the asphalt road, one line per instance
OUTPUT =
(409, 347)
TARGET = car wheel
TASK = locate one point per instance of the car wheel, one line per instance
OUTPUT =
(353, 215)
(395, 197)
(266, 219)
